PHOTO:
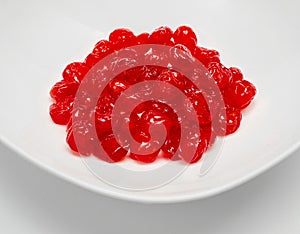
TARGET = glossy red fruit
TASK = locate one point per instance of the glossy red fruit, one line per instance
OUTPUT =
(64, 89)
(122, 38)
(193, 147)
(185, 35)
(80, 137)
(170, 148)
(71, 140)
(161, 35)
(149, 158)
(60, 112)
(93, 58)
(220, 74)
(237, 94)
(117, 86)
(103, 48)
(115, 152)
(172, 77)
(230, 123)
(143, 38)
(206, 56)
(75, 72)
(237, 75)
(149, 73)
(240, 94)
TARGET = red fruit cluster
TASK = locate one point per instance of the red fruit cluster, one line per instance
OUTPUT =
(237, 94)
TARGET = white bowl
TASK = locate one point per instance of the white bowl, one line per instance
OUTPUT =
(261, 38)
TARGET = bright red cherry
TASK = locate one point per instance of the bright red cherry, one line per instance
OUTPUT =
(185, 35)
(75, 72)
(240, 94)
(230, 123)
(161, 35)
(206, 56)
(60, 112)
(122, 38)
(63, 89)
(237, 93)
(103, 48)
(221, 74)
(143, 38)
(237, 75)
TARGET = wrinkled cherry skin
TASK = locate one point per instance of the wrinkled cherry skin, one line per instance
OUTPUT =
(206, 56)
(122, 38)
(185, 35)
(102, 49)
(60, 112)
(240, 94)
(237, 75)
(221, 74)
(161, 35)
(143, 38)
(63, 89)
(230, 123)
(237, 93)
(75, 72)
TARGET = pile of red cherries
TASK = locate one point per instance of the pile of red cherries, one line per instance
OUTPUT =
(237, 94)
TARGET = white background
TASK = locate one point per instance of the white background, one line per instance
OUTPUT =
(34, 201)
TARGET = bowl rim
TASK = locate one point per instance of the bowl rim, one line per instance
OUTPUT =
(148, 199)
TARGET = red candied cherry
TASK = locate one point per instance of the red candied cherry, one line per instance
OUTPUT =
(237, 75)
(143, 38)
(103, 124)
(206, 56)
(71, 140)
(103, 48)
(221, 74)
(149, 73)
(201, 149)
(171, 144)
(199, 105)
(185, 35)
(115, 152)
(207, 134)
(183, 56)
(230, 123)
(149, 158)
(75, 72)
(93, 58)
(117, 86)
(63, 89)
(240, 94)
(80, 137)
(105, 104)
(161, 35)
(122, 38)
(173, 78)
(60, 112)
(193, 147)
